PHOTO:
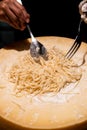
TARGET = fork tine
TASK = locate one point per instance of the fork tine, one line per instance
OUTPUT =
(73, 51)
(76, 44)
(74, 47)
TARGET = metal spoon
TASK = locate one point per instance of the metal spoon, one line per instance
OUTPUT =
(36, 48)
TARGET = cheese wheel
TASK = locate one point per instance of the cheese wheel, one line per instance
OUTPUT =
(67, 110)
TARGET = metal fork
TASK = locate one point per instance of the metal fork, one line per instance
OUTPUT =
(76, 43)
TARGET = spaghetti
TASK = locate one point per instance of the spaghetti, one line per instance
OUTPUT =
(44, 76)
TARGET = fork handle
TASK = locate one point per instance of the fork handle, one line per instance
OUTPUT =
(80, 23)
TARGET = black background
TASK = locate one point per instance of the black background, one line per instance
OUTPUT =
(56, 17)
(52, 18)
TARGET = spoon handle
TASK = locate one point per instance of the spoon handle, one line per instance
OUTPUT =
(30, 32)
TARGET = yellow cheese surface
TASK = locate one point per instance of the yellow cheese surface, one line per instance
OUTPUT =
(67, 110)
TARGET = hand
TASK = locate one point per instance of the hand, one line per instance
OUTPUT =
(83, 10)
(14, 14)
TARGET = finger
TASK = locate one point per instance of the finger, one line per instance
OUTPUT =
(23, 12)
(9, 16)
(85, 20)
(10, 23)
(12, 18)
(84, 8)
(20, 15)
(81, 4)
(83, 16)
(17, 12)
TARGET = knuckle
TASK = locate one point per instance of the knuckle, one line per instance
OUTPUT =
(23, 10)
(4, 6)
(20, 13)
(15, 19)
(6, 1)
